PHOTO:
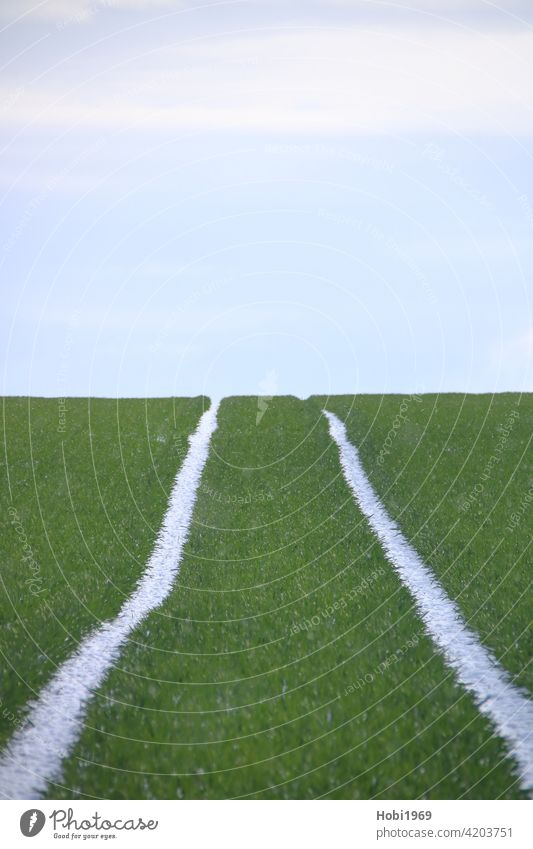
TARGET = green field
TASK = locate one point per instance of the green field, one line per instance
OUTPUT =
(83, 494)
(459, 469)
(288, 661)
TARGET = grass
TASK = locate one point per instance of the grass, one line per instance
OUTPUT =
(288, 662)
(456, 504)
(82, 497)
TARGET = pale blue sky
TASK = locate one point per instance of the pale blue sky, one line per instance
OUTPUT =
(313, 196)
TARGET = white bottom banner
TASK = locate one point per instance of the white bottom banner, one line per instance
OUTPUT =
(263, 825)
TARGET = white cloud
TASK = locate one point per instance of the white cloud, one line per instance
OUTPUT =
(73, 10)
(84, 10)
(513, 358)
(518, 349)
(353, 81)
(431, 5)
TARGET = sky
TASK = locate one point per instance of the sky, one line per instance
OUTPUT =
(265, 197)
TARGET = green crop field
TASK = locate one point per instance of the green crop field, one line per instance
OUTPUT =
(456, 477)
(288, 661)
(83, 493)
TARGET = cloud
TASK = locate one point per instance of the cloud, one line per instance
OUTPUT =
(73, 10)
(84, 10)
(433, 5)
(517, 349)
(513, 358)
(347, 81)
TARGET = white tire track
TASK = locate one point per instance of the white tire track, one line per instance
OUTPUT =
(509, 709)
(35, 753)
